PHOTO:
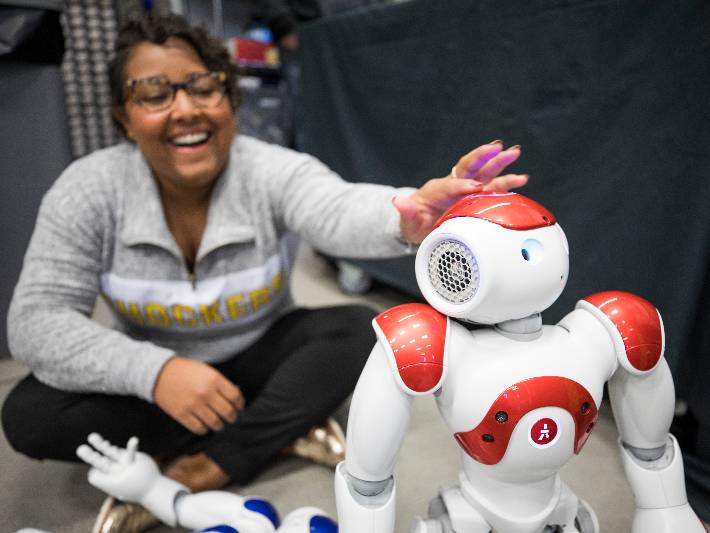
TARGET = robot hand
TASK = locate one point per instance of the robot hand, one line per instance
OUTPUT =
(659, 491)
(124, 473)
(669, 520)
(131, 476)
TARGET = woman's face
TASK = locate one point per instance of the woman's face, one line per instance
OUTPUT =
(185, 145)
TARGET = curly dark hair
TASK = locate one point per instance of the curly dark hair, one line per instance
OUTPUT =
(157, 30)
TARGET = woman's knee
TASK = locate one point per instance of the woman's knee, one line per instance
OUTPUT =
(350, 322)
(354, 315)
(22, 425)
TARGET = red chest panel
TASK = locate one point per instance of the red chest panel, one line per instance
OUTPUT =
(488, 441)
(416, 336)
(638, 323)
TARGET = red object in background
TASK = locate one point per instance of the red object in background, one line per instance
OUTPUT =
(252, 53)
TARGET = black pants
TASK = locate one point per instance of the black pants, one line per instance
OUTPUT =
(292, 378)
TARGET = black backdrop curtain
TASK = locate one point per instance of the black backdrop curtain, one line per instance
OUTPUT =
(608, 98)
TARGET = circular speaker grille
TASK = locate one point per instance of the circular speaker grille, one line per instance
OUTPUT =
(453, 271)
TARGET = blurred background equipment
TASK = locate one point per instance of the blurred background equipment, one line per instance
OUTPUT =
(90, 30)
(34, 136)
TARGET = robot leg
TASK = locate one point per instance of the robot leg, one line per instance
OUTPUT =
(572, 515)
(449, 512)
(586, 520)
(438, 520)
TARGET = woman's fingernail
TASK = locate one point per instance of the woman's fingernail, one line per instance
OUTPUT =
(497, 141)
(514, 147)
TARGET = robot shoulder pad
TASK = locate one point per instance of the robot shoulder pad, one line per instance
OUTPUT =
(634, 325)
(414, 337)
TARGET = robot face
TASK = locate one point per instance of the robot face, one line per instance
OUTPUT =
(485, 271)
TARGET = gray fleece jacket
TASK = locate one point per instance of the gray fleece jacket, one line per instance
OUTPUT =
(101, 231)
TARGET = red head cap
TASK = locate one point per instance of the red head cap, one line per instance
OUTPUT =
(507, 209)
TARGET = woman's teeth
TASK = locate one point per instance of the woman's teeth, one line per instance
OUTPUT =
(190, 139)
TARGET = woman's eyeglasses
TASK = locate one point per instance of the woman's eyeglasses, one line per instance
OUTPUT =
(156, 93)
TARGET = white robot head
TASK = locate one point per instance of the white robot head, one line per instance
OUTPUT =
(493, 257)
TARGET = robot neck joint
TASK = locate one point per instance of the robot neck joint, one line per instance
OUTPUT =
(521, 329)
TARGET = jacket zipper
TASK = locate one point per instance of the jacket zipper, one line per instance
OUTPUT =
(191, 274)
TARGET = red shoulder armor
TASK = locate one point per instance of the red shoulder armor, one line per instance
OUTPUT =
(634, 324)
(414, 336)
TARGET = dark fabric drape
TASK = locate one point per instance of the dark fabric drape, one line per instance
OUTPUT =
(608, 98)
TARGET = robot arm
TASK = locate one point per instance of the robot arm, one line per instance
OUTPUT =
(408, 360)
(378, 420)
(643, 410)
(642, 399)
(133, 476)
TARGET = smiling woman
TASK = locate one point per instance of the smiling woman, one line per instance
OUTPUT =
(185, 142)
(187, 229)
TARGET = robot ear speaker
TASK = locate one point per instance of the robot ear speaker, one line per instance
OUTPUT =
(453, 271)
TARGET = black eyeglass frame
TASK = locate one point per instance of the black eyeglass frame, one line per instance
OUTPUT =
(176, 86)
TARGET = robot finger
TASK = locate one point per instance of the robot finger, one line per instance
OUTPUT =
(94, 458)
(131, 449)
(85, 453)
(105, 447)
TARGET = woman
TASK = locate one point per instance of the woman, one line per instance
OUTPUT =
(185, 232)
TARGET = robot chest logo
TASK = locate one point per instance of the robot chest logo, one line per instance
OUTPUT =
(544, 433)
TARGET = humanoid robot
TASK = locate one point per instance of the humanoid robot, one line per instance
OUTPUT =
(133, 476)
(519, 397)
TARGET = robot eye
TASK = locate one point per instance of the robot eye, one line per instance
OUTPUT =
(532, 251)
(453, 271)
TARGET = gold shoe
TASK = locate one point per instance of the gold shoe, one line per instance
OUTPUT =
(323, 444)
(116, 516)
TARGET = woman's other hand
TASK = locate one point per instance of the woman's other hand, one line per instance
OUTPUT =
(476, 171)
(197, 395)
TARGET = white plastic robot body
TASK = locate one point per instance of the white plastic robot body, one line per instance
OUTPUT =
(520, 398)
(523, 486)
(484, 365)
